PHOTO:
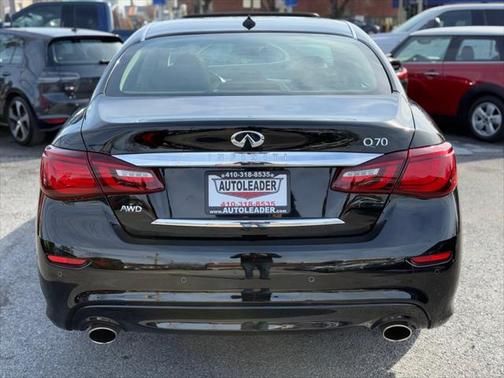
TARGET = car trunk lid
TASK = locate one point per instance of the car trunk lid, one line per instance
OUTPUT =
(286, 180)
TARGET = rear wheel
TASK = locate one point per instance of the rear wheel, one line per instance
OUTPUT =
(486, 117)
(22, 122)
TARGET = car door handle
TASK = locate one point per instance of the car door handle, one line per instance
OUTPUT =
(5, 74)
(431, 73)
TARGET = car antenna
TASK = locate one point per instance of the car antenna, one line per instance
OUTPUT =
(249, 23)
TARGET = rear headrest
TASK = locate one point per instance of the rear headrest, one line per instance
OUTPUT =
(467, 53)
(188, 73)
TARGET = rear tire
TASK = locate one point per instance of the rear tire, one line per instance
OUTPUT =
(23, 123)
(485, 119)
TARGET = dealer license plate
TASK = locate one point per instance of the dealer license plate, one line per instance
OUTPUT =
(241, 192)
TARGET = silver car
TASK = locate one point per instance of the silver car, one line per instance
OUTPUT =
(443, 16)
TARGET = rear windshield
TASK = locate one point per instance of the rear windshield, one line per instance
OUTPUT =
(249, 63)
(83, 51)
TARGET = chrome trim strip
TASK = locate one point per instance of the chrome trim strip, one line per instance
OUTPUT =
(249, 159)
(445, 62)
(249, 223)
(350, 26)
(146, 30)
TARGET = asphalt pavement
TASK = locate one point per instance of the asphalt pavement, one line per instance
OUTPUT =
(471, 344)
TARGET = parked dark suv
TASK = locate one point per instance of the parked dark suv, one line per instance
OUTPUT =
(89, 14)
(46, 74)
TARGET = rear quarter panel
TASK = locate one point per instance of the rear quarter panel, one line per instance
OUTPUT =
(428, 91)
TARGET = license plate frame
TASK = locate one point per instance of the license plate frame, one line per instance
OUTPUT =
(273, 203)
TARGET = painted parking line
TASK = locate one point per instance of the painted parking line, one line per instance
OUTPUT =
(468, 149)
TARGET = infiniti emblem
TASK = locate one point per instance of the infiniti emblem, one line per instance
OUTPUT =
(253, 138)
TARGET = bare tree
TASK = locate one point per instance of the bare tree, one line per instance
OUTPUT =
(207, 4)
(338, 8)
(203, 6)
(12, 6)
(269, 5)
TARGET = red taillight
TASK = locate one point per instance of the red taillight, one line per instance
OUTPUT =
(428, 172)
(435, 258)
(73, 175)
(402, 74)
(72, 261)
(118, 177)
(65, 174)
(377, 176)
(55, 121)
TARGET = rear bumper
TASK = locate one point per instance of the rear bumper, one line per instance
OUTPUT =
(292, 284)
(252, 318)
(57, 108)
(216, 300)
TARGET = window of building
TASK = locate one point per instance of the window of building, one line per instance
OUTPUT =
(252, 4)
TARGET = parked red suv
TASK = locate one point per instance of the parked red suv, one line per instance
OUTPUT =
(458, 72)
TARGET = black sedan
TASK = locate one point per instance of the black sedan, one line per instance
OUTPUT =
(249, 174)
(46, 74)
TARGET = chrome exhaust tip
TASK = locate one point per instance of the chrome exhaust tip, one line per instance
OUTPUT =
(397, 332)
(102, 335)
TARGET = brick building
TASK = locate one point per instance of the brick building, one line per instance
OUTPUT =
(376, 10)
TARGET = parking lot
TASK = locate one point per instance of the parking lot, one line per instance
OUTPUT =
(470, 344)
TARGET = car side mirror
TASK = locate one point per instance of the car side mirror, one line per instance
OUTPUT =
(396, 63)
(7, 22)
(432, 24)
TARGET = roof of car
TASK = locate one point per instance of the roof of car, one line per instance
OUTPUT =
(69, 2)
(493, 5)
(234, 24)
(463, 30)
(59, 32)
